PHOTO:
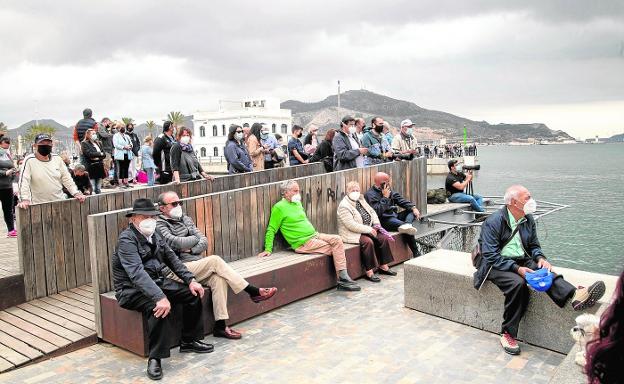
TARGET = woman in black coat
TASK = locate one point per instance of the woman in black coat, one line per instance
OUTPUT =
(94, 156)
(324, 152)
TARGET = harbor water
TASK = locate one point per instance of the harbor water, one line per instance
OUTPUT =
(589, 235)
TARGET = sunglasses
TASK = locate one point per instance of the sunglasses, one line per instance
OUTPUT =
(239, 131)
(175, 203)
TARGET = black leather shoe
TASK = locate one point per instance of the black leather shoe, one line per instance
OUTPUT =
(196, 346)
(345, 286)
(389, 272)
(374, 278)
(154, 370)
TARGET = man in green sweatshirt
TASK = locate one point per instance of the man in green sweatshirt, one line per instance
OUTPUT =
(288, 216)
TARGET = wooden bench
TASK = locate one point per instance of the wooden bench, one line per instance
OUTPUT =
(296, 275)
(440, 283)
(235, 224)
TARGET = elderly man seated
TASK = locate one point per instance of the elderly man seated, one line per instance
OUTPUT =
(139, 259)
(288, 216)
(510, 249)
(189, 243)
(386, 204)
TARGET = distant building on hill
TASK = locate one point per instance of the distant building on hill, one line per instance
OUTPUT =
(211, 127)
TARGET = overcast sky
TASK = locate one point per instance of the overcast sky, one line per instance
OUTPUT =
(556, 62)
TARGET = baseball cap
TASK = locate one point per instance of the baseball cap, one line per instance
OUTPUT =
(41, 137)
(406, 123)
(347, 119)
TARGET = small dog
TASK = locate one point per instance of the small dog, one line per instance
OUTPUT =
(586, 329)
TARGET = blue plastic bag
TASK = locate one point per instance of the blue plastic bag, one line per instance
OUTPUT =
(540, 280)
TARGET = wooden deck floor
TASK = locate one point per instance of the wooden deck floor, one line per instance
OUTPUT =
(46, 327)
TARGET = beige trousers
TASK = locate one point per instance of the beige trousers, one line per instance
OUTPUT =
(216, 274)
(328, 245)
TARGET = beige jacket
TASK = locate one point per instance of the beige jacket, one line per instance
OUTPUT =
(256, 151)
(400, 144)
(350, 224)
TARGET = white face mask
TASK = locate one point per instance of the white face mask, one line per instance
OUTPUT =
(185, 139)
(239, 136)
(147, 227)
(176, 212)
(530, 207)
(355, 195)
(352, 129)
(296, 198)
(93, 137)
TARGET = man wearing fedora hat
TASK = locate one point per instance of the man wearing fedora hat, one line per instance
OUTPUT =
(140, 284)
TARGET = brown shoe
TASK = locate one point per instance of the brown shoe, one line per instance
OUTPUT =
(265, 294)
(510, 345)
(227, 333)
(586, 297)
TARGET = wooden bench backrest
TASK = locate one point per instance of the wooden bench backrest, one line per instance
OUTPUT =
(53, 242)
(235, 221)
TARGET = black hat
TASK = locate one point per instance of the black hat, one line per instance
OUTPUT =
(143, 207)
(41, 137)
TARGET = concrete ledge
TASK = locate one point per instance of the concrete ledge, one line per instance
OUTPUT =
(440, 283)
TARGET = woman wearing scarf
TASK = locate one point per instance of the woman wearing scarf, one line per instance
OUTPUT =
(184, 162)
(94, 157)
(236, 153)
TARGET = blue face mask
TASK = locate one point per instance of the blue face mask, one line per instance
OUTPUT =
(2, 151)
(264, 136)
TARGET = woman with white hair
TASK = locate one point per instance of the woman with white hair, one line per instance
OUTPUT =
(358, 224)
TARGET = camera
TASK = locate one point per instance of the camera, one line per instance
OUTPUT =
(471, 167)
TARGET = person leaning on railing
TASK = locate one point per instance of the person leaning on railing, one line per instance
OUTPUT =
(184, 163)
(324, 152)
(43, 176)
(358, 224)
(379, 151)
(236, 153)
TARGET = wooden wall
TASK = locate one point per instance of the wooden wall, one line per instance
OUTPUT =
(53, 238)
(235, 221)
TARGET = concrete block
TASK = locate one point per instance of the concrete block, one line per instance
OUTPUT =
(440, 283)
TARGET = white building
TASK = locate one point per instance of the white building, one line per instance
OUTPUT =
(211, 127)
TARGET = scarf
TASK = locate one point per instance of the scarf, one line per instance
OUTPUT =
(186, 147)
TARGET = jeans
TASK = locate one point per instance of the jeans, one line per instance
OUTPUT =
(150, 176)
(96, 185)
(476, 201)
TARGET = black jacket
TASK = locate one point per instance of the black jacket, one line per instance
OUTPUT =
(83, 125)
(324, 153)
(344, 154)
(141, 267)
(136, 142)
(186, 163)
(495, 231)
(162, 147)
(95, 164)
(386, 208)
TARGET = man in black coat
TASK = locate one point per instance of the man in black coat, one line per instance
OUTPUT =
(347, 151)
(386, 203)
(139, 259)
(162, 158)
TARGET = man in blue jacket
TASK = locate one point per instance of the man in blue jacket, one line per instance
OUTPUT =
(506, 260)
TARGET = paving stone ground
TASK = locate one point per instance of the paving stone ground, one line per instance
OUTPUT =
(332, 337)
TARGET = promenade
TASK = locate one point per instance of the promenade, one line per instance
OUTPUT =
(332, 337)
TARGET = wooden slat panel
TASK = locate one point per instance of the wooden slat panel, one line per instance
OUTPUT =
(5, 365)
(225, 227)
(33, 329)
(86, 323)
(11, 356)
(75, 303)
(28, 338)
(67, 307)
(56, 244)
(68, 244)
(209, 225)
(76, 297)
(239, 231)
(85, 294)
(217, 222)
(48, 252)
(56, 319)
(253, 222)
(26, 251)
(38, 246)
(19, 346)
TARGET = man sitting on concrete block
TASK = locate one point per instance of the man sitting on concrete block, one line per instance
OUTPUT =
(510, 249)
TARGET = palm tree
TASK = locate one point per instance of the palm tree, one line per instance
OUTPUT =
(127, 120)
(36, 129)
(177, 118)
(150, 125)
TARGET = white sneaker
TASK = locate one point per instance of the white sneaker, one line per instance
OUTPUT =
(407, 229)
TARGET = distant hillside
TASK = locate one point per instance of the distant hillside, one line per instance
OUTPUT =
(617, 138)
(430, 123)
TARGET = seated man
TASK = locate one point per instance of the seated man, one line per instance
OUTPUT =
(288, 216)
(505, 261)
(140, 285)
(386, 202)
(456, 182)
(189, 244)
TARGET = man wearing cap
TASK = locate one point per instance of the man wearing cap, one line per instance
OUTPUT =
(347, 151)
(456, 183)
(138, 262)
(404, 144)
(509, 250)
(43, 176)
(269, 143)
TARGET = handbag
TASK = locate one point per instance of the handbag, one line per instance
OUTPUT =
(476, 255)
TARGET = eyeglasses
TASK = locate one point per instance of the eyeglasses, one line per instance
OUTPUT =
(239, 131)
(175, 203)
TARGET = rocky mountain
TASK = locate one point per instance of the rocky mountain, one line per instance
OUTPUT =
(616, 138)
(430, 124)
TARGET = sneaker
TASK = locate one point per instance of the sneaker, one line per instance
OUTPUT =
(12, 234)
(510, 345)
(586, 297)
(407, 229)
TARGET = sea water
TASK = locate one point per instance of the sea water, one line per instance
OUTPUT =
(589, 235)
